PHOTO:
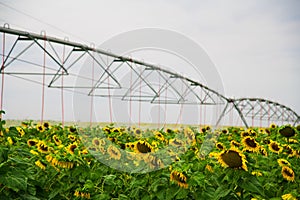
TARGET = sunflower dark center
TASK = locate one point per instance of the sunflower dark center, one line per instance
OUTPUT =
(96, 142)
(179, 178)
(169, 130)
(235, 143)
(275, 147)
(288, 173)
(220, 146)
(284, 162)
(273, 126)
(72, 129)
(287, 131)
(232, 159)
(73, 147)
(46, 125)
(244, 134)
(43, 147)
(143, 148)
(138, 131)
(251, 143)
(289, 150)
(114, 152)
(32, 143)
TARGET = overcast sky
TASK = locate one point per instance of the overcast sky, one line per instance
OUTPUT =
(255, 45)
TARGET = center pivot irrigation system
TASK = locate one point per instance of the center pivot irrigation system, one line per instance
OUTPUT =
(61, 61)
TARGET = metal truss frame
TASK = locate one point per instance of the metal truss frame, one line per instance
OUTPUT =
(191, 91)
(260, 109)
(141, 70)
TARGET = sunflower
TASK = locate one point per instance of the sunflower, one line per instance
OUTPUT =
(71, 148)
(287, 131)
(190, 135)
(283, 162)
(266, 141)
(32, 142)
(72, 137)
(273, 125)
(112, 139)
(267, 130)
(250, 144)
(253, 133)
(292, 141)
(224, 131)
(179, 178)
(234, 143)
(244, 134)
(24, 124)
(40, 128)
(21, 131)
(40, 164)
(288, 197)
(137, 132)
(46, 125)
(56, 140)
(114, 152)
(128, 145)
(159, 136)
(298, 127)
(208, 128)
(10, 141)
(203, 130)
(84, 151)
(72, 129)
(176, 142)
(261, 130)
(232, 158)
(263, 151)
(287, 149)
(143, 147)
(169, 131)
(297, 153)
(42, 147)
(106, 129)
(275, 147)
(220, 146)
(288, 173)
(116, 130)
(96, 141)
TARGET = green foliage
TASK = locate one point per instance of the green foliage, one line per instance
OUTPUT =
(60, 173)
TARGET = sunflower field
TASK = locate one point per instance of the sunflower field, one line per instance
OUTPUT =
(48, 161)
